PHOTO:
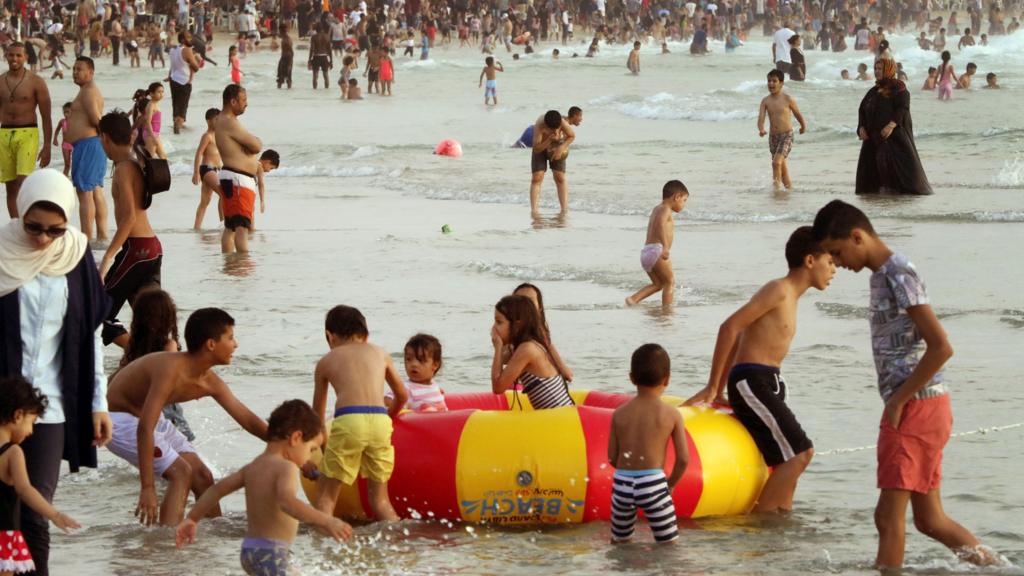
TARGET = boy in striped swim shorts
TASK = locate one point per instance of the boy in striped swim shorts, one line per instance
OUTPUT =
(640, 432)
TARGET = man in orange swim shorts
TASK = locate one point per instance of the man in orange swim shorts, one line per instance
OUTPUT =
(238, 149)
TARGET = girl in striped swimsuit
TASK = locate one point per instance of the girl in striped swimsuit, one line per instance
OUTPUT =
(517, 323)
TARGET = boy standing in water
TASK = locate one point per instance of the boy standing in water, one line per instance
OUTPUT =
(490, 71)
(640, 432)
(360, 433)
(270, 160)
(654, 257)
(272, 509)
(780, 107)
(633, 62)
(751, 345)
(204, 172)
(917, 418)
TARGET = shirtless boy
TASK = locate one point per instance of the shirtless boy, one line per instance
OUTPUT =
(654, 257)
(205, 170)
(143, 437)
(490, 72)
(237, 178)
(359, 442)
(640, 432)
(132, 261)
(372, 72)
(321, 57)
(633, 62)
(270, 160)
(751, 345)
(779, 106)
(21, 93)
(271, 481)
(965, 79)
(552, 136)
(88, 162)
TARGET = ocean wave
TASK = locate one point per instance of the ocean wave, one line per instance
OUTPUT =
(1011, 174)
(842, 311)
(184, 169)
(666, 106)
(547, 274)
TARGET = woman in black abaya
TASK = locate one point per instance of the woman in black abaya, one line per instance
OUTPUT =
(888, 163)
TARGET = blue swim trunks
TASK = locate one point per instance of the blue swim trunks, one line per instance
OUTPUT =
(491, 89)
(261, 557)
(526, 140)
(88, 164)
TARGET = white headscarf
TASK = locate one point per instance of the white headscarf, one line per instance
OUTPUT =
(20, 259)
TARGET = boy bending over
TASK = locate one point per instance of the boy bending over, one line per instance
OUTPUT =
(142, 436)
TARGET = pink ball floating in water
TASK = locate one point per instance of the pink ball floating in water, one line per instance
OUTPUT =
(450, 148)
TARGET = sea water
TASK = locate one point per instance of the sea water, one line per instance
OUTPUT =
(354, 216)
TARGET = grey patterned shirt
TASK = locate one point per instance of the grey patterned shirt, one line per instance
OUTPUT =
(895, 341)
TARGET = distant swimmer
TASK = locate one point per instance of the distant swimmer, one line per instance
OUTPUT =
(321, 57)
(575, 118)
(490, 71)
(633, 62)
(654, 257)
(552, 136)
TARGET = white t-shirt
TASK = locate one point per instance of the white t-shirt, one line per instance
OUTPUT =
(713, 8)
(781, 38)
(140, 7)
(691, 7)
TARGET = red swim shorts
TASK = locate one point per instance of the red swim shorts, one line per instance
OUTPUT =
(910, 457)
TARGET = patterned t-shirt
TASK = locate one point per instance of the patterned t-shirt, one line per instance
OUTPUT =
(895, 340)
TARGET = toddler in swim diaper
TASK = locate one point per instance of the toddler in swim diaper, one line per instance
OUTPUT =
(422, 361)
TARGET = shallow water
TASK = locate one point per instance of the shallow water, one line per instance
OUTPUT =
(354, 217)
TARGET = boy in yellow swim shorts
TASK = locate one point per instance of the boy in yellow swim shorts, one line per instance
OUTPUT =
(359, 439)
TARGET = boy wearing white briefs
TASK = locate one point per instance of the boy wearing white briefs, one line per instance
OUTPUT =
(654, 257)
(422, 361)
(640, 432)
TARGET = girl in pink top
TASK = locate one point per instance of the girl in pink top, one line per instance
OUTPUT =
(148, 119)
(62, 129)
(422, 361)
(946, 77)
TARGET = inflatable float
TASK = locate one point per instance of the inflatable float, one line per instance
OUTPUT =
(492, 458)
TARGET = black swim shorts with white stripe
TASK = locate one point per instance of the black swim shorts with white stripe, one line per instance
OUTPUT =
(757, 394)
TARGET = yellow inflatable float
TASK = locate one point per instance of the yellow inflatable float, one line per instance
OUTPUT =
(492, 458)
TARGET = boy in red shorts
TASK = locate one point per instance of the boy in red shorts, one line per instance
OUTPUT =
(917, 419)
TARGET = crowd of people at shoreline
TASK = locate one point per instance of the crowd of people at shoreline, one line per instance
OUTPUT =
(59, 307)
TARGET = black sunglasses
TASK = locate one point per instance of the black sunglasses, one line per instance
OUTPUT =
(34, 229)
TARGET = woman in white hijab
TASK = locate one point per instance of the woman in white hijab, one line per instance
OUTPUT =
(52, 305)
